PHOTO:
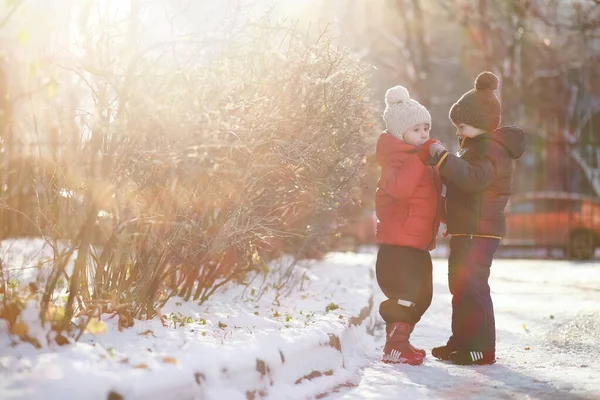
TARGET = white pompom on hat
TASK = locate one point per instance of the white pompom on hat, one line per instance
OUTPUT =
(402, 113)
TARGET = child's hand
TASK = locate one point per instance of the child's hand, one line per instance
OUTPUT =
(436, 150)
(423, 152)
(431, 151)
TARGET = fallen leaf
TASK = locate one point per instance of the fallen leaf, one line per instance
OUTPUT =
(527, 348)
(19, 329)
(61, 340)
(169, 360)
(10, 312)
(95, 326)
(141, 366)
(114, 396)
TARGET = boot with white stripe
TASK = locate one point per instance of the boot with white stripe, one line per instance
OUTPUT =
(466, 357)
(397, 348)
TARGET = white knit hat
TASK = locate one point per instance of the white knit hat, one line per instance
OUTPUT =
(402, 113)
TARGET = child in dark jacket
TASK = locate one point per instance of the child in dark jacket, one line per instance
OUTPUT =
(407, 204)
(479, 182)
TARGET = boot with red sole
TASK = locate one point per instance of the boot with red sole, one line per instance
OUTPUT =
(423, 352)
(397, 349)
(417, 350)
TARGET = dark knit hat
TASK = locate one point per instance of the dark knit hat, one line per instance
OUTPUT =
(479, 107)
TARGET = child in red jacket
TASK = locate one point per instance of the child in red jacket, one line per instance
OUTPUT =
(407, 203)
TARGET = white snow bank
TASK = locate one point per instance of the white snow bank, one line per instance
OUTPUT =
(241, 341)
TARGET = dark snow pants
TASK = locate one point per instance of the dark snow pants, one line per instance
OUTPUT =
(404, 276)
(473, 325)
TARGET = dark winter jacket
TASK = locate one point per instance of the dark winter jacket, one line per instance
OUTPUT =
(479, 182)
(408, 197)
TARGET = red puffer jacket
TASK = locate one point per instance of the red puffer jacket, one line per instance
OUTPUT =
(408, 197)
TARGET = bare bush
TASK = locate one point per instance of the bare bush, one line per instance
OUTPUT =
(190, 173)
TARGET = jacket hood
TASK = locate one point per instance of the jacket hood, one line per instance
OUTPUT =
(511, 138)
(388, 145)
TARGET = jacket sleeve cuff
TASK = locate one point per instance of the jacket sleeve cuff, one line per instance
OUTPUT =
(442, 159)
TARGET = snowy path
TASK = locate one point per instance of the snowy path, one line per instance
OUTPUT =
(548, 328)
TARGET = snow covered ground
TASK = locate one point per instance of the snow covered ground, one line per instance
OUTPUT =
(548, 328)
(244, 341)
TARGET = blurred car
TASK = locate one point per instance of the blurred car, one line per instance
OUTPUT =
(554, 220)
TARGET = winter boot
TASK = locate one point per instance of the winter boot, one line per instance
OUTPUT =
(417, 350)
(443, 352)
(397, 348)
(466, 357)
(413, 348)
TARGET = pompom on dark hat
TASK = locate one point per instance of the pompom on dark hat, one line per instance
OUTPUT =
(479, 107)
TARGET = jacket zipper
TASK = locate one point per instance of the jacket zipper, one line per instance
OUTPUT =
(479, 203)
(437, 210)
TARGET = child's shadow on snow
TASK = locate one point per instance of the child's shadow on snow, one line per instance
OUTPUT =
(429, 373)
(501, 382)
(526, 385)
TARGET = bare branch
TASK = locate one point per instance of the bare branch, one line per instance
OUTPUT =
(12, 11)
